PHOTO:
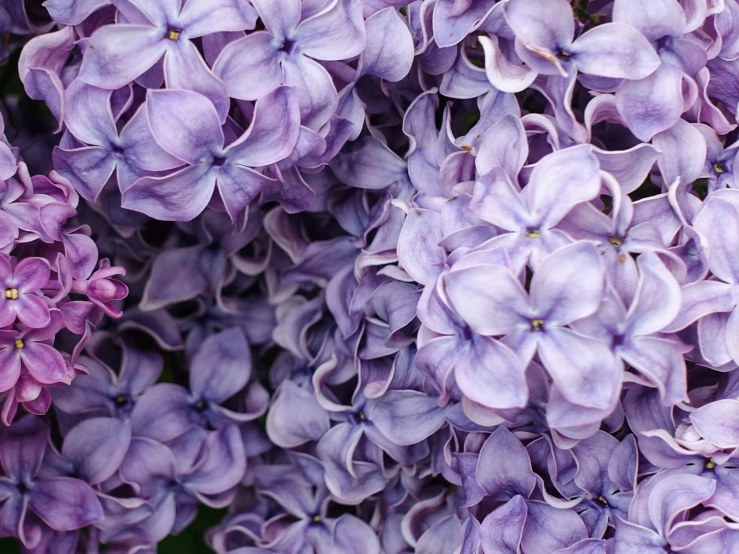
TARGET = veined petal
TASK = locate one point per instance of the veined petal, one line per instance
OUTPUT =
(615, 50)
(249, 67)
(569, 284)
(337, 33)
(273, 132)
(490, 373)
(560, 181)
(184, 123)
(652, 104)
(489, 298)
(181, 196)
(583, 368)
(118, 54)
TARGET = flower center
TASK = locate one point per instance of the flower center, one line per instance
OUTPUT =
(710, 465)
(602, 500)
(564, 54)
(719, 168)
(121, 400)
(19, 343)
(11, 294)
(316, 519)
(200, 406)
(173, 34)
(537, 324)
(288, 46)
(616, 241)
(532, 233)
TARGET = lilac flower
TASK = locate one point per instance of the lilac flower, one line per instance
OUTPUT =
(656, 511)
(567, 286)
(62, 503)
(20, 287)
(199, 141)
(635, 333)
(107, 393)
(709, 301)
(502, 472)
(654, 103)
(118, 54)
(558, 183)
(220, 368)
(607, 471)
(305, 525)
(30, 350)
(175, 479)
(295, 36)
(544, 32)
(129, 154)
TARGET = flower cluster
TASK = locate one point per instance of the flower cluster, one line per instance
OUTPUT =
(432, 276)
(50, 281)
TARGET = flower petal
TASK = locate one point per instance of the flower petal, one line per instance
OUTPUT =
(181, 196)
(97, 447)
(118, 54)
(490, 373)
(65, 504)
(44, 362)
(615, 50)
(583, 368)
(221, 367)
(334, 34)
(249, 66)
(569, 284)
(184, 123)
(273, 132)
(488, 297)
(652, 104)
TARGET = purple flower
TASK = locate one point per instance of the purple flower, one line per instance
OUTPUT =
(199, 140)
(220, 368)
(31, 350)
(567, 286)
(107, 393)
(20, 298)
(295, 36)
(544, 31)
(130, 153)
(558, 183)
(118, 54)
(655, 103)
(62, 503)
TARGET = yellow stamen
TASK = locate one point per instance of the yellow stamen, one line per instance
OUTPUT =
(18, 343)
(718, 167)
(361, 416)
(616, 241)
(173, 34)
(533, 234)
(466, 147)
(316, 519)
(710, 464)
(11, 294)
(536, 324)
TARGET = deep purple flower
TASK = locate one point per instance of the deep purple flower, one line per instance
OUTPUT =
(62, 503)
(20, 298)
(31, 349)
